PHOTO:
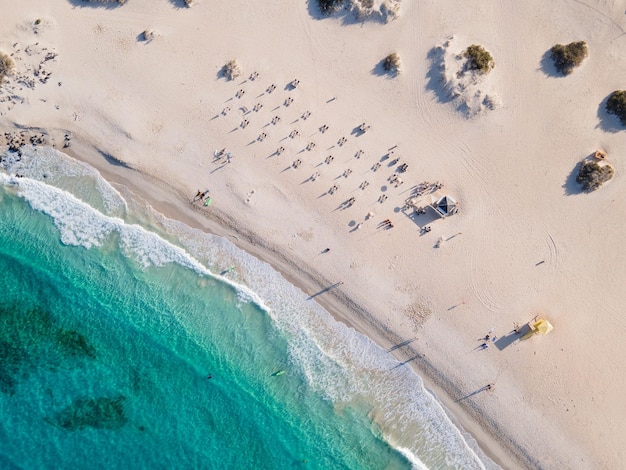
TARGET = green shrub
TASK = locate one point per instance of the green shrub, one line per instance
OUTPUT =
(6, 64)
(391, 63)
(327, 7)
(567, 57)
(592, 175)
(479, 59)
(616, 104)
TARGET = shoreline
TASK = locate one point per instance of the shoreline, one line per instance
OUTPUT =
(337, 304)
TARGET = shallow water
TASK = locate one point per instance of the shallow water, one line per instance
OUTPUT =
(110, 331)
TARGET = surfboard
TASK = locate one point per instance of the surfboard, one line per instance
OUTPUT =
(278, 373)
(208, 201)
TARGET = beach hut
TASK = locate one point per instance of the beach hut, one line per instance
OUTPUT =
(541, 327)
(445, 206)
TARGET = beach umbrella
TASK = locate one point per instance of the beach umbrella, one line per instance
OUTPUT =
(542, 327)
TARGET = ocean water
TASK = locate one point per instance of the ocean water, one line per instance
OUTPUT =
(112, 319)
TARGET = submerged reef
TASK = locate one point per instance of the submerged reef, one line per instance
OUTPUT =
(100, 413)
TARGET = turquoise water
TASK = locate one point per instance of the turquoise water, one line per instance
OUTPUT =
(109, 332)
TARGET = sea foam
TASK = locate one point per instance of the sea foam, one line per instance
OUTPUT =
(337, 362)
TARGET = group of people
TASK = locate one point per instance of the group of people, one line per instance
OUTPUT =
(363, 127)
(201, 195)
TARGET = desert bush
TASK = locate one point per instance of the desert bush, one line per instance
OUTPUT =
(479, 59)
(616, 104)
(567, 57)
(391, 63)
(231, 70)
(329, 6)
(6, 64)
(592, 175)
(148, 35)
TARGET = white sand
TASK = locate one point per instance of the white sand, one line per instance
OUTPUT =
(527, 242)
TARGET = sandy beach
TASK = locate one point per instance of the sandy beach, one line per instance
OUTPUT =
(301, 153)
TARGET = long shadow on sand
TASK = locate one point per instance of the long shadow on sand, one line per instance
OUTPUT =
(402, 344)
(179, 4)
(475, 392)
(571, 187)
(434, 76)
(112, 4)
(400, 364)
(547, 65)
(379, 71)
(608, 122)
(111, 160)
(107, 5)
(505, 341)
(324, 290)
(421, 220)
